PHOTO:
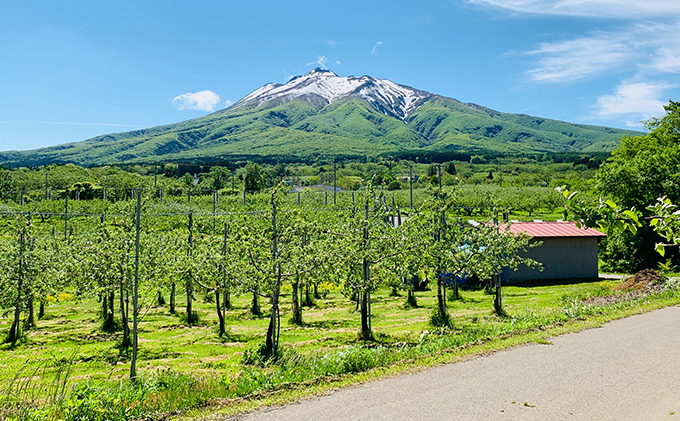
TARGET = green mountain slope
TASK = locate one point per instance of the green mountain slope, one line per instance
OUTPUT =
(307, 127)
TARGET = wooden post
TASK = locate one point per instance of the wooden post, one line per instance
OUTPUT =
(298, 197)
(410, 183)
(325, 197)
(439, 176)
(135, 294)
(335, 181)
(66, 217)
(214, 208)
(244, 197)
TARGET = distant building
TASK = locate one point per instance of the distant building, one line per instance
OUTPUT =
(566, 252)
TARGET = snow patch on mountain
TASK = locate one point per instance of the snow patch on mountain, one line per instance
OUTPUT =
(382, 93)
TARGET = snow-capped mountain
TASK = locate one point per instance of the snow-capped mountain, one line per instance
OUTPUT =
(385, 95)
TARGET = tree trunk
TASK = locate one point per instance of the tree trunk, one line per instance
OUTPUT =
(41, 309)
(366, 333)
(220, 313)
(440, 295)
(172, 298)
(123, 317)
(111, 311)
(105, 307)
(15, 330)
(159, 299)
(272, 344)
(30, 319)
(497, 302)
(255, 305)
(189, 288)
(308, 296)
(227, 299)
(297, 309)
(411, 299)
(316, 290)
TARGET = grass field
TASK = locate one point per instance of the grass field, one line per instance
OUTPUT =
(190, 367)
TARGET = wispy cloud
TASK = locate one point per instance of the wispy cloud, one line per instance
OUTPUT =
(320, 60)
(69, 123)
(331, 42)
(613, 9)
(578, 58)
(647, 48)
(633, 99)
(202, 100)
(374, 51)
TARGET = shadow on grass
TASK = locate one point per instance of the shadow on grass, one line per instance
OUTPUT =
(326, 324)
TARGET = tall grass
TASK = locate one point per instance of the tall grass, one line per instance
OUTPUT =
(43, 393)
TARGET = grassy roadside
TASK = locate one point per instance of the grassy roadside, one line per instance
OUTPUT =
(189, 373)
(221, 409)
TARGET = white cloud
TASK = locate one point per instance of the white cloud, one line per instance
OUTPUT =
(203, 101)
(648, 48)
(374, 51)
(337, 63)
(665, 60)
(574, 59)
(616, 9)
(633, 98)
(320, 60)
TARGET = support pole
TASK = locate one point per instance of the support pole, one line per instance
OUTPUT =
(135, 294)
(66, 217)
(410, 183)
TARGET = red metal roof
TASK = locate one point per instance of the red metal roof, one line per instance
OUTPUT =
(552, 229)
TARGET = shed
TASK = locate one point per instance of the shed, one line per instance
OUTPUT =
(566, 252)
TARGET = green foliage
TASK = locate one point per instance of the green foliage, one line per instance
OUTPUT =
(302, 130)
(642, 169)
(439, 318)
(220, 177)
(666, 222)
(254, 180)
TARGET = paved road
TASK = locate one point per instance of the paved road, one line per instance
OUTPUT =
(627, 370)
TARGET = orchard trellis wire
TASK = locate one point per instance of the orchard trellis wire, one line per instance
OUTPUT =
(144, 242)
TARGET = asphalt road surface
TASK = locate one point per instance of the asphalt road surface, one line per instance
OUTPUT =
(628, 369)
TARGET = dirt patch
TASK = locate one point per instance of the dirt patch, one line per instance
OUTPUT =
(642, 280)
(645, 282)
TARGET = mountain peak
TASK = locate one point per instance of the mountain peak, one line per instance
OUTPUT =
(385, 95)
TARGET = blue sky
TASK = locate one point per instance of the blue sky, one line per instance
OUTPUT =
(72, 70)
